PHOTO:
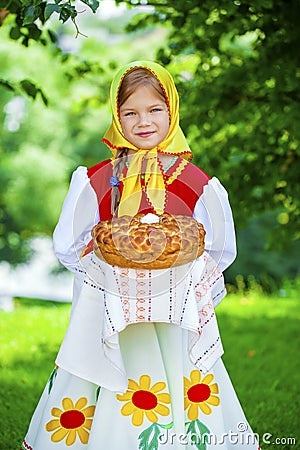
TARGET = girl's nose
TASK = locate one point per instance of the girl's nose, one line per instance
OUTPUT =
(144, 119)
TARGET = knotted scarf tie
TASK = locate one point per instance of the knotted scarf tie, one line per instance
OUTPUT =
(143, 164)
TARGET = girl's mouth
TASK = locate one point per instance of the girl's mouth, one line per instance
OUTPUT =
(146, 134)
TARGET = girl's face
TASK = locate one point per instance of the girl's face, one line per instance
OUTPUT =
(144, 118)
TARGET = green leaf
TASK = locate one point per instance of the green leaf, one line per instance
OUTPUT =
(93, 4)
(25, 41)
(149, 438)
(31, 14)
(29, 87)
(26, 2)
(98, 392)
(44, 98)
(32, 2)
(51, 379)
(53, 36)
(34, 32)
(7, 85)
(163, 57)
(199, 434)
(67, 12)
(15, 33)
(50, 9)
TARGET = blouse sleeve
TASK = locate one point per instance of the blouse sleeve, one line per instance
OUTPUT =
(79, 214)
(214, 212)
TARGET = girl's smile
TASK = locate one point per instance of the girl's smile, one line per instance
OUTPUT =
(144, 118)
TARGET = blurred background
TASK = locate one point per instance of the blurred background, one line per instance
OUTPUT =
(237, 68)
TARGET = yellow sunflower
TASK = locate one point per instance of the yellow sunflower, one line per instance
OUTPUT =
(200, 394)
(72, 420)
(142, 400)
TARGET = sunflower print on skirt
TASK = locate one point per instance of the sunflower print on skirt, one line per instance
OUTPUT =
(143, 400)
(72, 421)
(199, 393)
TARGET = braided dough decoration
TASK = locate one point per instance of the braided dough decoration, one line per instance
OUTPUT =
(128, 242)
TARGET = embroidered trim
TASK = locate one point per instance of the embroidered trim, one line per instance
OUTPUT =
(215, 298)
(171, 295)
(131, 69)
(150, 295)
(140, 295)
(186, 299)
(177, 172)
(116, 147)
(217, 341)
(26, 446)
(144, 189)
(206, 322)
(107, 313)
(110, 145)
(93, 285)
(124, 294)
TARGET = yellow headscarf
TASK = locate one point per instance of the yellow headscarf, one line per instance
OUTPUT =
(174, 144)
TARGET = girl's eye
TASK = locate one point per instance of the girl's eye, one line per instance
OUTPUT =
(129, 113)
(156, 110)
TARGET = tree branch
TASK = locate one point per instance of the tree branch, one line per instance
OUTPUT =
(3, 14)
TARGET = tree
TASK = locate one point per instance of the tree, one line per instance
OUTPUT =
(41, 145)
(30, 17)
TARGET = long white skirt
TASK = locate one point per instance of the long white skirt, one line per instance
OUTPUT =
(169, 404)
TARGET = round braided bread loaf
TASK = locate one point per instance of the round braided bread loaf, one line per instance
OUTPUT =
(129, 242)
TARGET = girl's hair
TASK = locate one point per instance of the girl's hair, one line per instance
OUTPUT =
(136, 78)
(132, 80)
(118, 167)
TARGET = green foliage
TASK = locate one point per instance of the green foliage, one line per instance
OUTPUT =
(35, 177)
(240, 101)
(198, 434)
(149, 438)
(25, 86)
(32, 199)
(237, 68)
(30, 17)
(32, 90)
(258, 258)
(40, 146)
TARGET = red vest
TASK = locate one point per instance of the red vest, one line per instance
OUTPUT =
(182, 193)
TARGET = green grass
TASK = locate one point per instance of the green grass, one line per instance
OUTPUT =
(261, 341)
(29, 341)
(260, 335)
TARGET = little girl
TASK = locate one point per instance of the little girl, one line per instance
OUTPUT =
(140, 366)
